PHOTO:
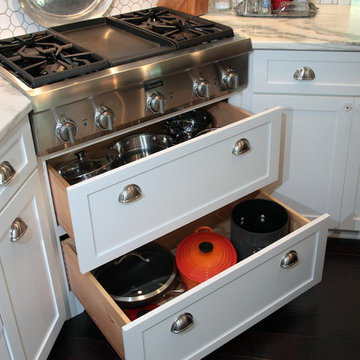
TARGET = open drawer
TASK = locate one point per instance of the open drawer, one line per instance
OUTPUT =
(178, 185)
(221, 307)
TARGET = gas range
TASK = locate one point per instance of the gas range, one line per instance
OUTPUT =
(106, 76)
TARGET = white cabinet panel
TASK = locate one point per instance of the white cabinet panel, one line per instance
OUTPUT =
(315, 139)
(350, 210)
(30, 310)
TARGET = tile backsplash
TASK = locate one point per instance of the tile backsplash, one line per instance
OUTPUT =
(13, 20)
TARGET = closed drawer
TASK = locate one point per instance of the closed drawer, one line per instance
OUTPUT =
(335, 73)
(221, 307)
(16, 152)
(178, 185)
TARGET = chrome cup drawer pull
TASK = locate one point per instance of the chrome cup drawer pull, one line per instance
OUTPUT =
(17, 229)
(182, 323)
(7, 172)
(290, 259)
(304, 73)
(242, 146)
(130, 193)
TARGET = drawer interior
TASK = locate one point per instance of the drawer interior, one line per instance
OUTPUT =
(108, 316)
(223, 114)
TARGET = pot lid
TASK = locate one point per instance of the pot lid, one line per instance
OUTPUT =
(57, 12)
(86, 164)
(139, 275)
(204, 254)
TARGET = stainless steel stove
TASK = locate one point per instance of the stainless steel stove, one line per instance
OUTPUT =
(102, 77)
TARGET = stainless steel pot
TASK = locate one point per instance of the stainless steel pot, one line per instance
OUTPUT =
(137, 146)
(87, 164)
(186, 126)
(139, 277)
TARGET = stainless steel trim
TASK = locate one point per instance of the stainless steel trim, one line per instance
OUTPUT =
(133, 74)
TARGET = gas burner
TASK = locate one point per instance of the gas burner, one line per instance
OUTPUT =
(141, 17)
(183, 29)
(42, 58)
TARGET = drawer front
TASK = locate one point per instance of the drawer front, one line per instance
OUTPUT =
(17, 152)
(231, 302)
(177, 185)
(335, 73)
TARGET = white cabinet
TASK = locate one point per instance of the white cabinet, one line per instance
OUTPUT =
(195, 183)
(319, 118)
(31, 304)
(350, 209)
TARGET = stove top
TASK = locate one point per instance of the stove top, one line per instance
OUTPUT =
(101, 78)
(70, 50)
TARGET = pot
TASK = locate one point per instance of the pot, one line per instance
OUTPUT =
(186, 126)
(87, 164)
(139, 277)
(202, 255)
(255, 224)
(137, 146)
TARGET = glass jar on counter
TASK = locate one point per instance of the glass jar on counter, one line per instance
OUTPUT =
(220, 5)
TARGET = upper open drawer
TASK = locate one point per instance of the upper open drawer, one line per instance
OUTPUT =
(177, 186)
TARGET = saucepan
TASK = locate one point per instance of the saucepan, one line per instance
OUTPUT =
(137, 146)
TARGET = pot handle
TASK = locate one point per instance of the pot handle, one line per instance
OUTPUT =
(134, 253)
(204, 228)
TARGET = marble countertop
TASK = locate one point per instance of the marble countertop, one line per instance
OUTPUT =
(13, 107)
(335, 28)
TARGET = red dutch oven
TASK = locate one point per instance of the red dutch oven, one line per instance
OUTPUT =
(202, 255)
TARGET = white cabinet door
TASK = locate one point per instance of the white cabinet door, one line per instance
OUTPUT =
(316, 133)
(29, 300)
(350, 210)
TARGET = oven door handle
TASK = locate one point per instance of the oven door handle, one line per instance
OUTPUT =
(130, 193)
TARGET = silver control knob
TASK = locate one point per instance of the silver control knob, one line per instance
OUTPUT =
(156, 103)
(66, 130)
(202, 88)
(104, 118)
(230, 79)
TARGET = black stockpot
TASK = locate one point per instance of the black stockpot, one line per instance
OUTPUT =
(255, 224)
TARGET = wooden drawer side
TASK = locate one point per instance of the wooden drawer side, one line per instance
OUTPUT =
(98, 303)
(60, 199)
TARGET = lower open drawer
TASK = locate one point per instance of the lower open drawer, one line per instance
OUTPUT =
(221, 307)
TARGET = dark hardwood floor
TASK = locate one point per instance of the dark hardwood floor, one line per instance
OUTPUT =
(322, 324)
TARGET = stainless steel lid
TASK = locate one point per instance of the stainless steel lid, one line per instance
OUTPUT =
(58, 12)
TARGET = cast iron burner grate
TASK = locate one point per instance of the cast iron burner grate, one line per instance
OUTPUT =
(43, 58)
(183, 29)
